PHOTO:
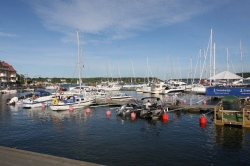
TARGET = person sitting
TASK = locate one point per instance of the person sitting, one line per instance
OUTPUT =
(147, 104)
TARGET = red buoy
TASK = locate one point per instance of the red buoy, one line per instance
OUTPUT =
(203, 119)
(204, 102)
(166, 100)
(87, 110)
(164, 116)
(71, 109)
(184, 101)
(43, 105)
(133, 115)
(108, 112)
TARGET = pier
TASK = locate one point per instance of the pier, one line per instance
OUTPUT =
(191, 108)
(14, 157)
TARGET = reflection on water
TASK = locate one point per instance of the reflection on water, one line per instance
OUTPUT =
(117, 140)
(229, 137)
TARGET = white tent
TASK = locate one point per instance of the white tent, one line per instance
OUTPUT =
(225, 75)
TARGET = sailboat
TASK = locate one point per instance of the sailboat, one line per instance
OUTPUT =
(73, 101)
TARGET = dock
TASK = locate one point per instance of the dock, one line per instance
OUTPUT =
(192, 108)
(14, 157)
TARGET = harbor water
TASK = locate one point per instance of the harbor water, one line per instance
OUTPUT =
(115, 140)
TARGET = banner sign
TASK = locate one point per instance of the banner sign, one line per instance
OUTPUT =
(223, 91)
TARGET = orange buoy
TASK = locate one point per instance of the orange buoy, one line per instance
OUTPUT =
(184, 101)
(204, 102)
(203, 119)
(164, 116)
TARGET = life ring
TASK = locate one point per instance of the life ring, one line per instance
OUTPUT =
(55, 101)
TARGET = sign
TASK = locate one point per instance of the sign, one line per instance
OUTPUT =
(223, 91)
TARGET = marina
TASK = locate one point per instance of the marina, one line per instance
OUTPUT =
(103, 139)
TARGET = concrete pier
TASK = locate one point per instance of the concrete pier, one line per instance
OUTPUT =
(16, 157)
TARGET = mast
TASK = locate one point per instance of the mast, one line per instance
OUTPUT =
(79, 59)
(179, 69)
(214, 60)
(241, 60)
(227, 60)
(211, 54)
(147, 70)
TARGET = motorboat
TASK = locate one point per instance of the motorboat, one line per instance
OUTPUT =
(157, 88)
(119, 99)
(154, 110)
(140, 108)
(38, 99)
(133, 106)
(197, 88)
(18, 99)
(168, 90)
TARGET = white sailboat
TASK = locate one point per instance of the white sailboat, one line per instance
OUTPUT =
(73, 101)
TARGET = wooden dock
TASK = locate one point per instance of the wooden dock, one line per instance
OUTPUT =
(16, 157)
(192, 108)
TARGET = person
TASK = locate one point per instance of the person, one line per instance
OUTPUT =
(247, 101)
(174, 101)
(158, 103)
(147, 104)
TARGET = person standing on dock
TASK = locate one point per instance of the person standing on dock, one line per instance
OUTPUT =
(174, 99)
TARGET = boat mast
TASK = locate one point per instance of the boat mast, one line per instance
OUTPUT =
(227, 60)
(241, 60)
(211, 55)
(147, 70)
(214, 60)
(79, 59)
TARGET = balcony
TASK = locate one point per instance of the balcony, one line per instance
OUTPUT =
(3, 80)
(12, 80)
(3, 75)
(13, 75)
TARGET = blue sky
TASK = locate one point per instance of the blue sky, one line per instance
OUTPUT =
(38, 37)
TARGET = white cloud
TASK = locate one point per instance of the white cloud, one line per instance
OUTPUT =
(117, 19)
(7, 34)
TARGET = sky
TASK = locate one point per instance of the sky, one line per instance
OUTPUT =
(125, 38)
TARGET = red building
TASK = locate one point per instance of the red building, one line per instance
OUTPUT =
(7, 74)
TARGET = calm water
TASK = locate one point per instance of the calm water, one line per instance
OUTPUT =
(122, 141)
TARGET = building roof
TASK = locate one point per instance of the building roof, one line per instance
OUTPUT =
(7, 66)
